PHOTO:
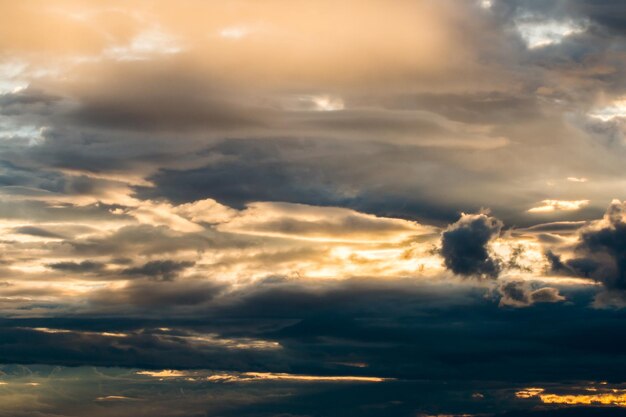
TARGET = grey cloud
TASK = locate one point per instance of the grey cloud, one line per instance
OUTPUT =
(546, 295)
(319, 172)
(159, 270)
(318, 324)
(42, 211)
(473, 108)
(27, 101)
(143, 240)
(601, 250)
(521, 294)
(77, 267)
(607, 247)
(37, 231)
(600, 253)
(606, 13)
(464, 246)
(146, 99)
(144, 295)
(583, 267)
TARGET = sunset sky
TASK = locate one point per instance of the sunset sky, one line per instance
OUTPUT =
(325, 208)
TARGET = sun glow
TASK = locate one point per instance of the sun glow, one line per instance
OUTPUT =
(559, 205)
(594, 395)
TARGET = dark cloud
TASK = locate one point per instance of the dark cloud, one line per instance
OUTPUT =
(37, 231)
(187, 324)
(27, 101)
(78, 267)
(600, 252)
(606, 13)
(451, 338)
(583, 267)
(317, 172)
(145, 98)
(607, 246)
(521, 294)
(464, 246)
(245, 171)
(159, 270)
(546, 295)
(144, 295)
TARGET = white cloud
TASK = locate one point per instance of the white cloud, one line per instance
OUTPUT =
(617, 109)
(11, 81)
(144, 45)
(559, 205)
(13, 130)
(207, 211)
(538, 34)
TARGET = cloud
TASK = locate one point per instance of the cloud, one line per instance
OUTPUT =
(275, 188)
(159, 270)
(558, 205)
(605, 243)
(464, 245)
(583, 267)
(299, 221)
(77, 267)
(37, 231)
(557, 227)
(144, 295)
(521, 294)
(207, 210)
(600, 253)
(539, 34)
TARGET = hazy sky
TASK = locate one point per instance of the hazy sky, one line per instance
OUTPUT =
(355, 207)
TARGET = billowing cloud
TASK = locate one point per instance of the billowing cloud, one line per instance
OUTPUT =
(520, 294)
(600, 252)
(465, 245)
(605, 243)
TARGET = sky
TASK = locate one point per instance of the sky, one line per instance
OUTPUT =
(312, 208)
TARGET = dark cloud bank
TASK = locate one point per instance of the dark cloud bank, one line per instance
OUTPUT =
(451, 344)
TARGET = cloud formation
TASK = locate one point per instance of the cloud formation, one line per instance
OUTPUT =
(600, 254)
(465, 246)
(273, 190)
(520, 294)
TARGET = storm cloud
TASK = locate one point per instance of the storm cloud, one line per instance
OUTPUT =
(600, 253)
(464, 246)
